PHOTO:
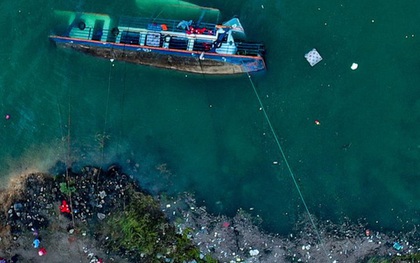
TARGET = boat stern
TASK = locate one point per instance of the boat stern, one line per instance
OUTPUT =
(253, 64)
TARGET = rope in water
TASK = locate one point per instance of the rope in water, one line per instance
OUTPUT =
(287, 165)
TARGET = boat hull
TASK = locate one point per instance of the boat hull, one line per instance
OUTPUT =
(187, 61)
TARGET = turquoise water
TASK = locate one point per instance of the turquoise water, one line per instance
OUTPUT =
(210, 132)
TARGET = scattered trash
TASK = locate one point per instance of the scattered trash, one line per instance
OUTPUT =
(313, 57)
(354, 66)
(18, 207)
(64, 207)
(36, 243)
(42, 251)
(102, 194)
(34, 231)
(70, 230)
(205, 235)
(307, 247)
(101, 216)
(397, 246)
(94, 259)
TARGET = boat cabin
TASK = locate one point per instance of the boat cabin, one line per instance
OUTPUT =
(158, 33)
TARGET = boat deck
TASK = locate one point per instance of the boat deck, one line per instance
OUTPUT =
(163, 33)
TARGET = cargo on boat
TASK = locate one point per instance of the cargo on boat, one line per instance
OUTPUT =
(184, 45)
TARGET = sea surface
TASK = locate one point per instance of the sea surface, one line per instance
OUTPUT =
(207, 135)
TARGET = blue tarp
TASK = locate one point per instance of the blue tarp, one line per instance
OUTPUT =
(36, 243)
(397, 246)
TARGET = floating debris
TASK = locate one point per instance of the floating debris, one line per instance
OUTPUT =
(313, 57)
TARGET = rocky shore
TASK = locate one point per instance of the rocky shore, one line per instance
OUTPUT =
(239, 239)
(96, 215)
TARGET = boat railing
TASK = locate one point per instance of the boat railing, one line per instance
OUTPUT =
(89, 33)
(253, 49)
(149, 23)
(86, 33)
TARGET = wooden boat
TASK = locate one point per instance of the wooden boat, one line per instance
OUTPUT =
(199, 47)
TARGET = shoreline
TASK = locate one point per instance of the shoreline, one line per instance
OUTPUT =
(346, 242)
(100, 199)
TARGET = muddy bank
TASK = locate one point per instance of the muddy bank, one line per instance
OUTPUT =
(96, 215)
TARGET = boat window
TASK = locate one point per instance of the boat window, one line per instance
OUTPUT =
(130, 38)
(178, 43)
(98, 30)
(202, 45)
(153, 40)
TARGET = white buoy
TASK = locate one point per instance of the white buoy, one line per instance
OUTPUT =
(354, 66)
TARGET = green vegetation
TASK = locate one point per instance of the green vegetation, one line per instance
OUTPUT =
(143, 233)
(67, 189)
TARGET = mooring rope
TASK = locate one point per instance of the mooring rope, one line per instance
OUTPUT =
(287, 165)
